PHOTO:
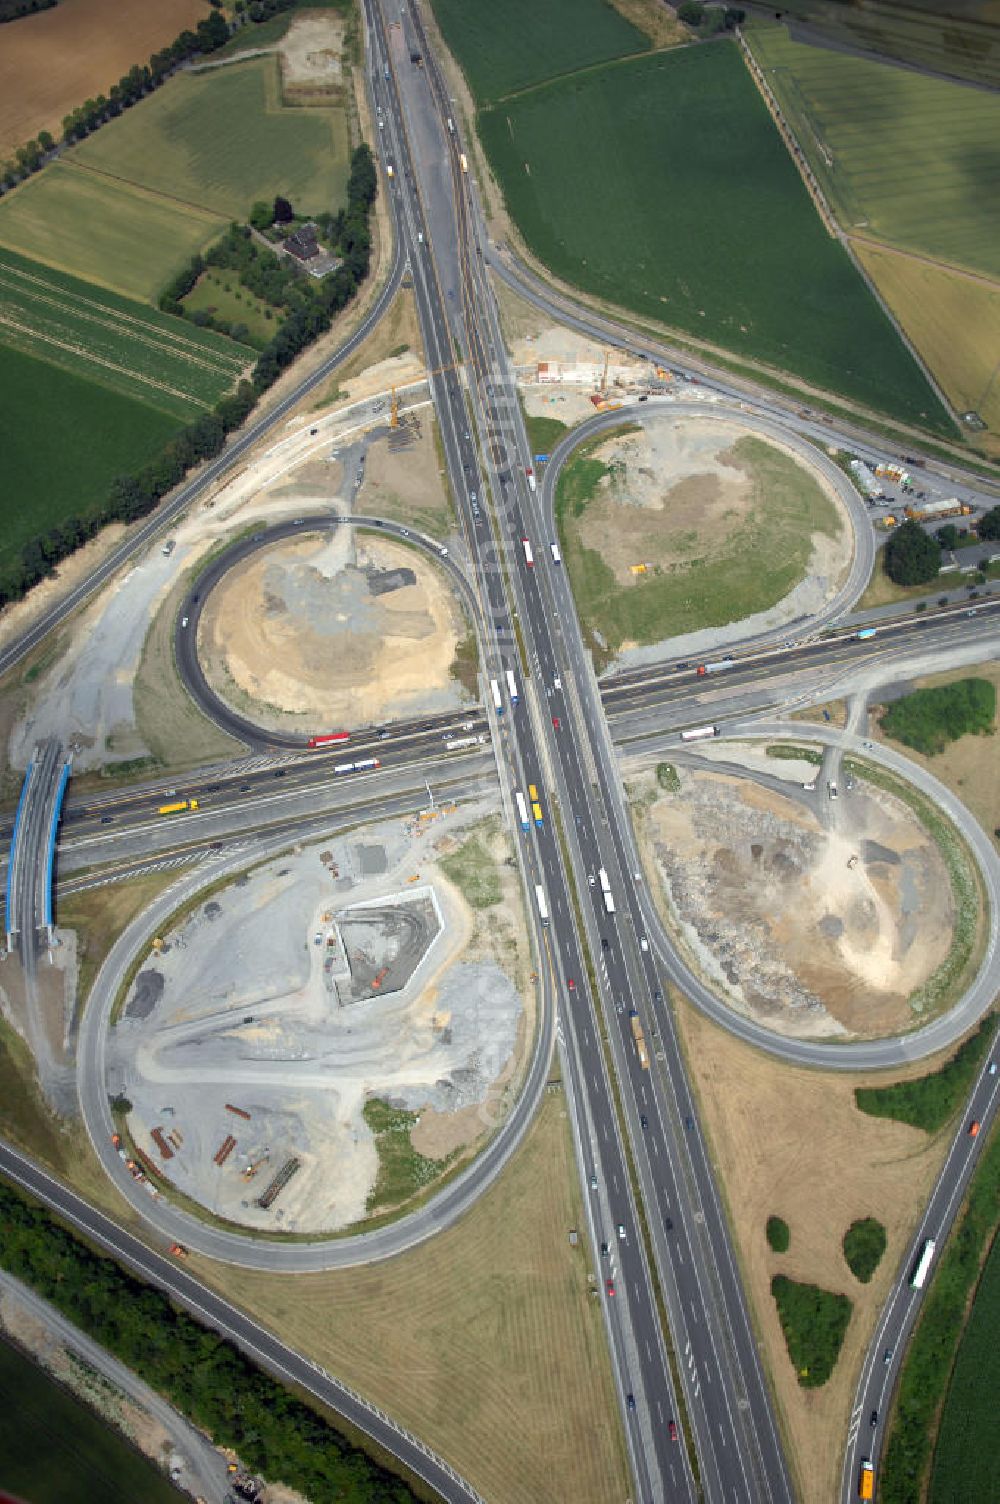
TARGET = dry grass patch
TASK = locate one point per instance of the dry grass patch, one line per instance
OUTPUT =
(167, 719)
(836, 713)
(99, 916)
(486, 1341)
(969, 767)
(953, 319)
(655, 20)
(53, 61)
(392, 352)
(407, 486)
(790, 1142)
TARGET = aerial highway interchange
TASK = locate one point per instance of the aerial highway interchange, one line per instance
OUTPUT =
(696, 1404)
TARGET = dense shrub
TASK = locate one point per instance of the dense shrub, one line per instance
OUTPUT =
(779, 1235)
(929, 719)
(864, 1245)
(929, 1101)
(814, 1322)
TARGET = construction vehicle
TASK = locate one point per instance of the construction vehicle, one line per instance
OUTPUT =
(933, 510)
(254, 1166)
(714, 668)
(176, 808)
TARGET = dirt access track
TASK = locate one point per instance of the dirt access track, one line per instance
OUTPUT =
(817, 918)
(53, 61)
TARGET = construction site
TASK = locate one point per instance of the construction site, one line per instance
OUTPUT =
(818, 917)
(256, 1033)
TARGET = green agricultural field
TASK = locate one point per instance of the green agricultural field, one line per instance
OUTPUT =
(65, 439)
(221, 139)
(902, 157)
(662, 184)
(965, 1456)
(55, 1450)
(103, 231)
(504, 48)
(131, 349)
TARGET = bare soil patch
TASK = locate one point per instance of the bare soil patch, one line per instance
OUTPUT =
(816, 919)
(344, 632)
(310, 52)
(791, 1142)
(51, 62)
(488, 1331)
(392, 355)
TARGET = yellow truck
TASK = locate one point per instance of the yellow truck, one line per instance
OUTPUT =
(866, 1481)
(640, 1040)
(175, 809)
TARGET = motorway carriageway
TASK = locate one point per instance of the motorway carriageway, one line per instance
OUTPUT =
(410, 741)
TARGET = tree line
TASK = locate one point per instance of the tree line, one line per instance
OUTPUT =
(13, 10)
(141, 79)
(310, 308)
(204, 1376)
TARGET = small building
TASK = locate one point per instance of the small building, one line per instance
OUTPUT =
(302, 243)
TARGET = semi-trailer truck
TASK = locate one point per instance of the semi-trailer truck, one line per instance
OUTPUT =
(640, 1039)
(458, 742)
(530, 477)
(919, 1276)
(865, 634)
(175, 809)
(497, 698)
(556, 555)
(331, 739)
(606, 894)
(529, 557)
(715, 668)
(512, 688)
(699, 733)
(522, 811)
(543, 908)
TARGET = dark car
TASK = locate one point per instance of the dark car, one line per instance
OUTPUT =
(106, 819)
(604, 943)
(279, 772)
(604, 1250)
(630, 1401)
(689, 1122)
(643, 1120)
(873, 1419)
(668, 1223)
(680, 666)
(245, 788)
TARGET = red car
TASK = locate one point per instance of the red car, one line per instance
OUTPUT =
(571, 984)
(556, 722)
(974, 1129)
(673, 1431)
(610, 1286)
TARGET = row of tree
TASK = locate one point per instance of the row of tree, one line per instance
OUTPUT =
(13, 10)
(142, 78)
(310, 307)
(204, 1376)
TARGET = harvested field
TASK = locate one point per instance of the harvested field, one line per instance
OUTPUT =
(953, 320)
(691, 524)
(819, 919)
(52, 62)
(129, 348)
(104, 231)
(345, 632)
(684, 160)
(790, 1142)
(487, 1331)
(312, 71)
(219, 140)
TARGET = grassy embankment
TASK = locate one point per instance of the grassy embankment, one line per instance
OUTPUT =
(701, 575)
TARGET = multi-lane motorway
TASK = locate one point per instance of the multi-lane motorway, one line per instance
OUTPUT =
(695, 1404)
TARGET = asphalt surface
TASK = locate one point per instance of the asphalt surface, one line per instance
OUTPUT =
(529, 629)
(726, 1402)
